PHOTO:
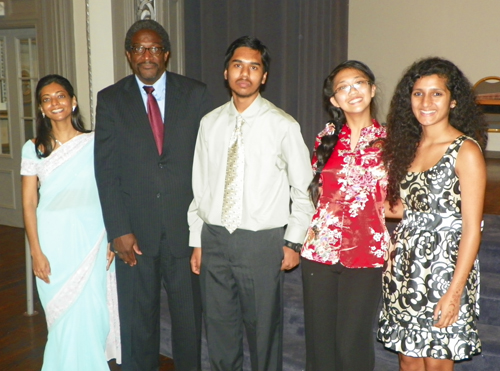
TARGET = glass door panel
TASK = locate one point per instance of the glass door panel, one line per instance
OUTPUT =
(27, 82)
(19, 75)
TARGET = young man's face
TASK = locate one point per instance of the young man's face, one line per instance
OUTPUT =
(245, 73)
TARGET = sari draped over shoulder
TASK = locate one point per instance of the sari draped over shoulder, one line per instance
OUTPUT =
(80, 302)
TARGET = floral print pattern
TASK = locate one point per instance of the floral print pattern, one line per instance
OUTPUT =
(421, 265)
(349, 223)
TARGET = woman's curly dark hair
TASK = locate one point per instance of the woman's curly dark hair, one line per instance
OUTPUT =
(328, 142)
(403, 129)
(44, 137)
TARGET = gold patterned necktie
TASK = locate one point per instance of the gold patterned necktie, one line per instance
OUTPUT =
(233, 187)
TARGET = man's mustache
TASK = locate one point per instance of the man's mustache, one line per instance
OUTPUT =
(148, 63)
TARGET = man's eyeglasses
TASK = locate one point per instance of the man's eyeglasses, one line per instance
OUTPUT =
(346, 89)
(153, 50)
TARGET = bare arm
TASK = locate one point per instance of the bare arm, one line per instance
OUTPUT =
(471, 170)
(41, 265)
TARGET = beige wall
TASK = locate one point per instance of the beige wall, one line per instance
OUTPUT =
(101, 56)
(389, 35)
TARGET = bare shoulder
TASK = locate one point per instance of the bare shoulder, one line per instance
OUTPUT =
(470, 148)
(470, 158)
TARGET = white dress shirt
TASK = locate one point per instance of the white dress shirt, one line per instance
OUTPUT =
(159, 93)
(277, 169)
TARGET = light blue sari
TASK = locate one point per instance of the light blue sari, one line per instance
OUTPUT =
(81, 293)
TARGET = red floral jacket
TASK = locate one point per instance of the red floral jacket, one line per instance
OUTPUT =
(349, 223)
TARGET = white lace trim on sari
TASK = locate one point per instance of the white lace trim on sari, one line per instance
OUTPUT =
(71, 290)
(113, 342)
(58, 157)
(29, 167)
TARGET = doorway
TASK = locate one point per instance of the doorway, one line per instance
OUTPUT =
(19, 75)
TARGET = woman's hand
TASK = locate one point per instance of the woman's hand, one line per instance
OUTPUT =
(41, 267)
(110, 256)
(446, 311)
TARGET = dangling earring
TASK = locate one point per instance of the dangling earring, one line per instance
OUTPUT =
(43, 114)
(74, 107)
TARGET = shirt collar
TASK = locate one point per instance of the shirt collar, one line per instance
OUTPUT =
(250, 114)
(375, 124)
(159, 86)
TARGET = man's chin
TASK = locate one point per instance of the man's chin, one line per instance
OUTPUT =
(149, 78)
(242, 96)
(245, 94)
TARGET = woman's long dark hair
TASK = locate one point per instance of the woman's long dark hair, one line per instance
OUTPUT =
(403, 129)
(328, 142)
(44, 137)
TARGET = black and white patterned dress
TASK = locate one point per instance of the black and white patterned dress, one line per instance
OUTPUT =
(421, 264)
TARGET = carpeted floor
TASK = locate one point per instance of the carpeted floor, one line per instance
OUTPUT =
(489, 322)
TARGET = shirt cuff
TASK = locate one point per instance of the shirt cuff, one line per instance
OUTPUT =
(295, 234)
(194, 239)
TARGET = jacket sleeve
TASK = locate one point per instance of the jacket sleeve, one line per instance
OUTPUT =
(116, 218)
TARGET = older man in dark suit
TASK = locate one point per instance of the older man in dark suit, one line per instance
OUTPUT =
(145, 136)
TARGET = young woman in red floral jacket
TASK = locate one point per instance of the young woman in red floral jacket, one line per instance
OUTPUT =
(343, 254)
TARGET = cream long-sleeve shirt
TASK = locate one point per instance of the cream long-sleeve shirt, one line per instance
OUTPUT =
(277, 169)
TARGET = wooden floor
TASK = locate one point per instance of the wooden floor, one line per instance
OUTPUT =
(22, 338)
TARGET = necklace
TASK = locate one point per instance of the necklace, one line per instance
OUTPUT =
(61, 143)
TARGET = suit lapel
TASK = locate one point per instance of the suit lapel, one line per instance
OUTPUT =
(138, 114)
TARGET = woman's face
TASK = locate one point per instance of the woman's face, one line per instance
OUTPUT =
(431, 101)
(56, 103)
(352, 91)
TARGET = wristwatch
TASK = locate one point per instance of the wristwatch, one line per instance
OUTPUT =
(297, 247)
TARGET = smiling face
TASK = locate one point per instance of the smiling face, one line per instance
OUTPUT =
(56, 103)
(245, 73)
(431, 100)
(353, 92)
(146, 66)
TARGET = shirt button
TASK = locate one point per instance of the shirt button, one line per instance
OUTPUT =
(158, 195)
(160, 165)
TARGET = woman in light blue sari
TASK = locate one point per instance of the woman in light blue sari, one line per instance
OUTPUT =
(63, 221)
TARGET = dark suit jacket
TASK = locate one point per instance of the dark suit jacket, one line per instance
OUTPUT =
(142, 192)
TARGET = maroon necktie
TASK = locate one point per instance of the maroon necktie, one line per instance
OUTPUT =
(155, 119)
